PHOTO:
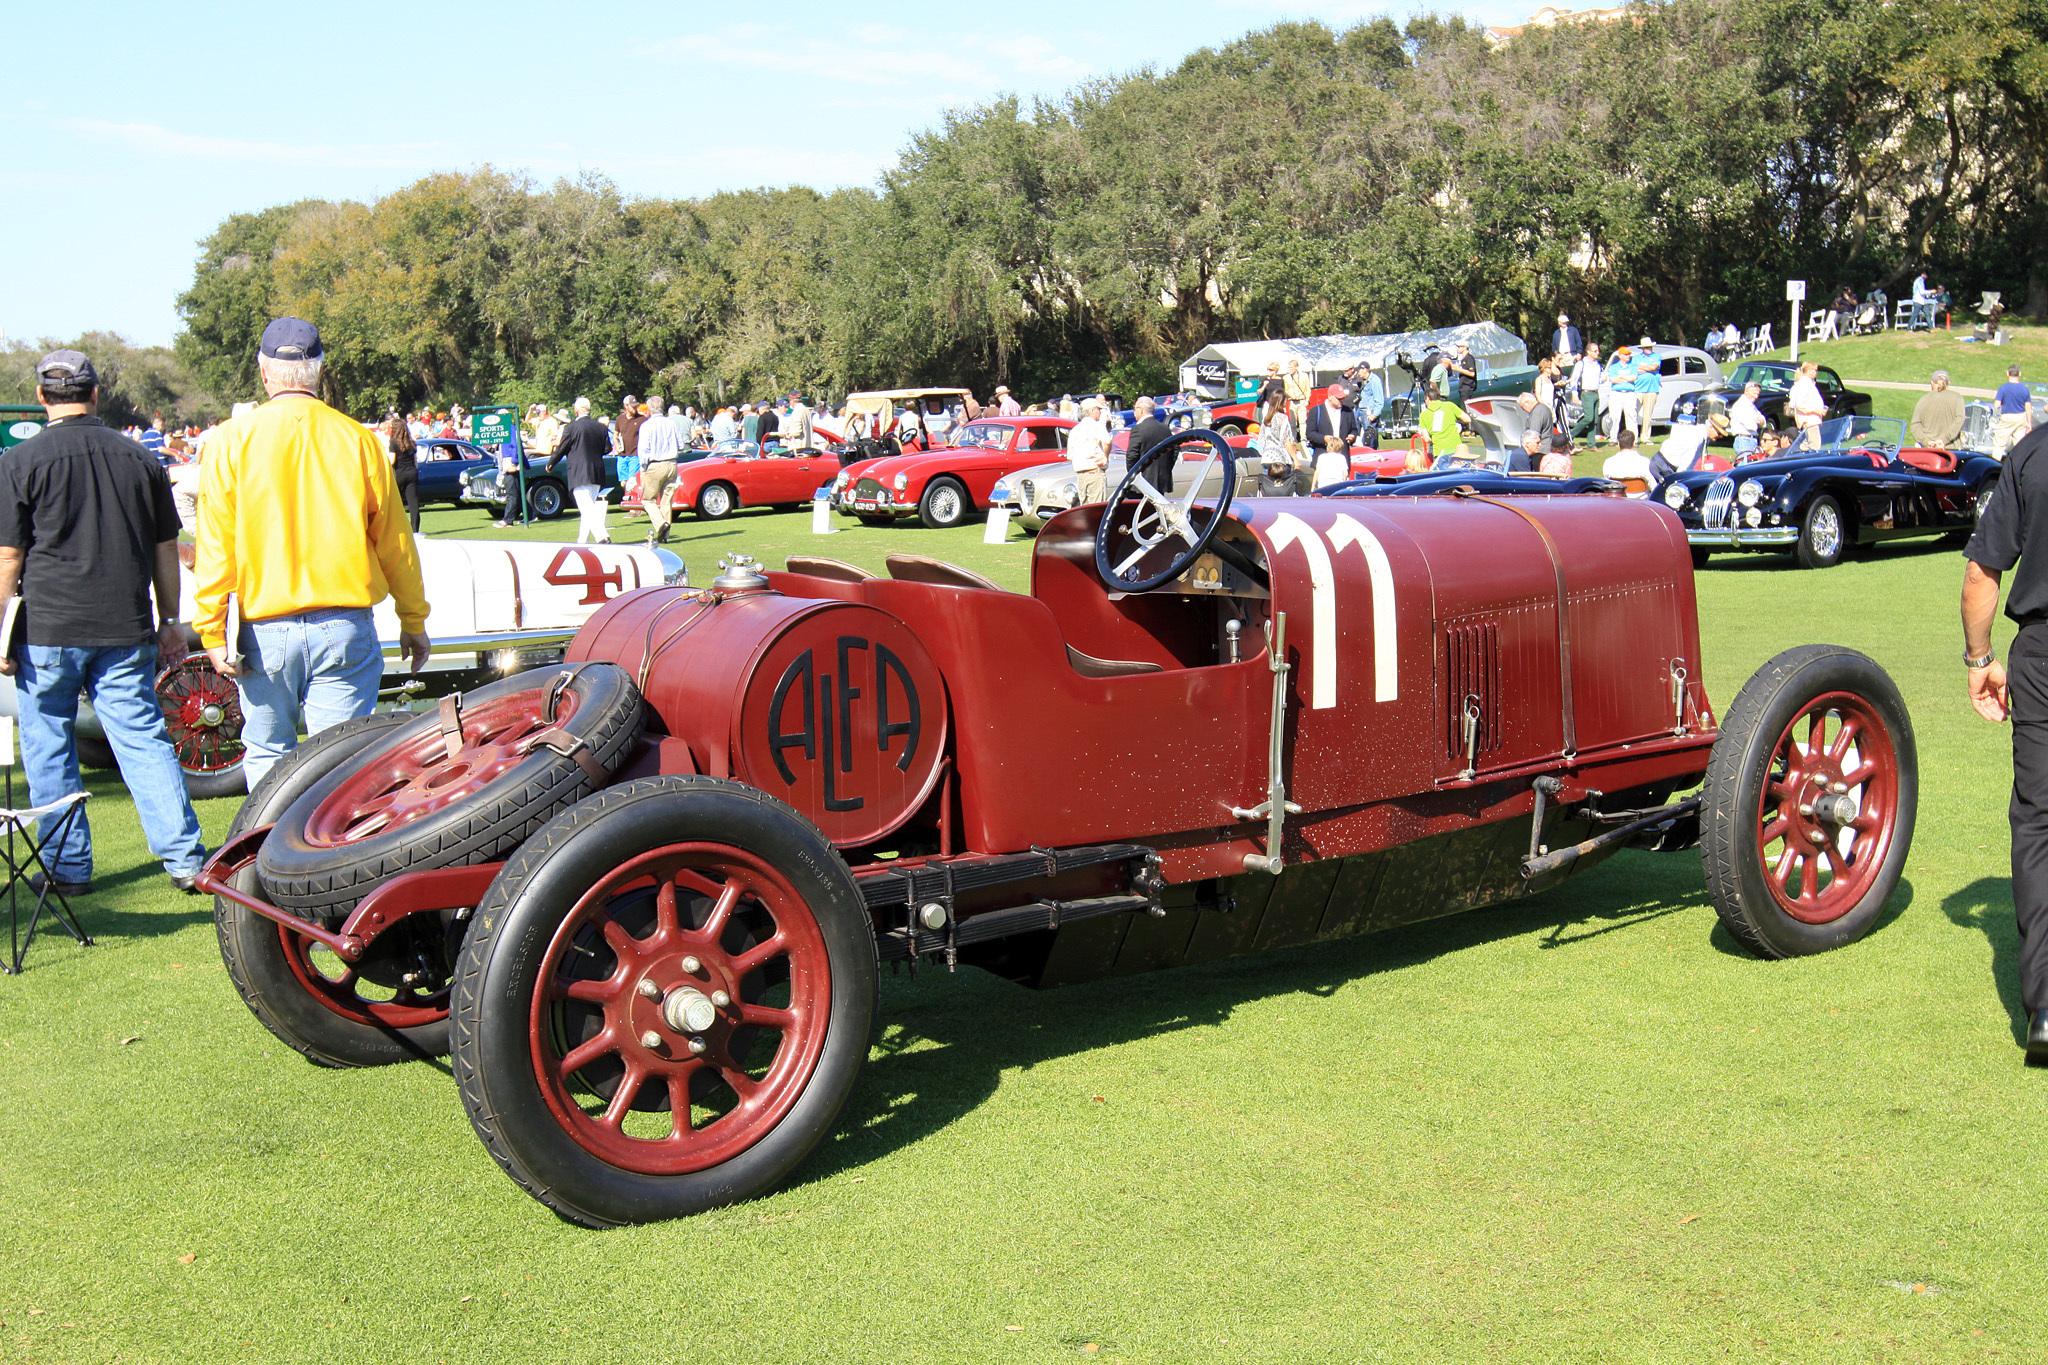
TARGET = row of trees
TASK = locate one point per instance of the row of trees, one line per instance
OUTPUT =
(1663, 173)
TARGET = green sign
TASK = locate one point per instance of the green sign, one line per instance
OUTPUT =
(1246, 388)
(493, 426)
(18, 423)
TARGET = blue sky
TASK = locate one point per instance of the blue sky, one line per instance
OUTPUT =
(134, 143)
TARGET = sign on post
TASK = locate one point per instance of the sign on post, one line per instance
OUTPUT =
(1795, 292)
(492, 427)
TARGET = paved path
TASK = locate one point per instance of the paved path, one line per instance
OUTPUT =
(1894, 384)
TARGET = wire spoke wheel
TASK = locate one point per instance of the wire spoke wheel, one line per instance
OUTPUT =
(203, 715)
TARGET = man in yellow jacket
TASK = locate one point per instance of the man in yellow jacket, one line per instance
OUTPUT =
(300, 520)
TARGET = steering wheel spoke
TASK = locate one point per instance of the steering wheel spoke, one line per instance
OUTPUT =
(1123, 543)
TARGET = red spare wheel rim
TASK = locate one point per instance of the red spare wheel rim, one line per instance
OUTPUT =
(343, 989)
(396, 786)
(1829, 809)
(203, 715)
(681, 1009)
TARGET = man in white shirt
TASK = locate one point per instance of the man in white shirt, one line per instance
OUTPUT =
(1589, 380)
(1746, 420)
(1923, 305)
(1006, 406)
(661, 444)
(1088, 452)
(1806, 405)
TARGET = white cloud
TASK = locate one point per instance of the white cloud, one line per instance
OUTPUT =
(155, 140)
(877, 56)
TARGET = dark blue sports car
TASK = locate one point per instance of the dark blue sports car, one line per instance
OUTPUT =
(1863, 486)
(1486, 473)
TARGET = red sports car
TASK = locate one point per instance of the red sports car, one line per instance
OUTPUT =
(946, 485)
(642, 900)
(719, 486)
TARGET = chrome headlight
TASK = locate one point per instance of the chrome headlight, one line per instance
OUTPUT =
(1753, 517)
(902, 482)
(1750, 494)
(841, 481)
(1001, 492)
(1674, 496)
(1072, 497)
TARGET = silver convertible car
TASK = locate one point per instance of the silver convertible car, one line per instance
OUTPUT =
(1040, 493)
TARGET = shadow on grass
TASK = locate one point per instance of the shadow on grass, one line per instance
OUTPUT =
(948, 1039)
(1758, 561)
(1986, 904)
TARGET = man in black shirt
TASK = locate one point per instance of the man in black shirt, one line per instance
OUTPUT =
(2013, 529)
(87, 528)
(1149, 431)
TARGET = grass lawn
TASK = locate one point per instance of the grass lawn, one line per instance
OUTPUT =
(1585, 1128)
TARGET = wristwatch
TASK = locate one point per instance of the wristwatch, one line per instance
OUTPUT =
(1979, 661)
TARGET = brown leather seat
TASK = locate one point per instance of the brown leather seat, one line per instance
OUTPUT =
(817, 566)
(922, 569)
(1088, 666)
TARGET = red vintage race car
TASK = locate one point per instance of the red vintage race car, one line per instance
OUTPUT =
(721, 485)
(947, 484)
(643, 898)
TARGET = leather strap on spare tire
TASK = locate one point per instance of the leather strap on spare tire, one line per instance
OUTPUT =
(465, 784)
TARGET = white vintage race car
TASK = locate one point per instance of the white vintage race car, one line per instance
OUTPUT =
(497, 607)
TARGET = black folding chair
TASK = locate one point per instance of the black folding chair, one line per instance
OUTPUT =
(63, 814)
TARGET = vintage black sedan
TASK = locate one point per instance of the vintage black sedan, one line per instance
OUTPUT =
(1775, 378)
(1863, 486)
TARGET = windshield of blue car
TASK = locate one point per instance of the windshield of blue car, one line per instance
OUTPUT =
(1888, 433)
(1496, 460)
(1770, 378)
(983, 436)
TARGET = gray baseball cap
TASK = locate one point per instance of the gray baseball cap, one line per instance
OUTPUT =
(67, 368)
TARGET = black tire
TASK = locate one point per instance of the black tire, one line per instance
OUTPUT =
(1230, 427)
(1824, 534)
(716, 501)
(326, 875)
(1732, 846)
(503, 960)
(1700, 555)
(253, 950)
(546, 498)
(946, 503)
(94, 752)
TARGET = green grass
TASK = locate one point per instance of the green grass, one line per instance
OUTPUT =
(1586, 1128)
(1909, 358)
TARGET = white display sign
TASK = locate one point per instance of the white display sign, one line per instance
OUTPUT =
(1795, 291)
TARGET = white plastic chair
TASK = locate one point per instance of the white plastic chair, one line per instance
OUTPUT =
(1764, 341)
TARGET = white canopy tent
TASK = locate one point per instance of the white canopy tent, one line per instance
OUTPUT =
(1210, 370)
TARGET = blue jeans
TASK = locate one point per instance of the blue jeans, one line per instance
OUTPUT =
(306, 671)
(121, 681)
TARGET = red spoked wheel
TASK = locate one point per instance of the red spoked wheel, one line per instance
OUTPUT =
(411, 780)
(393, 1005)
(1810, 801)
(524, 748)
(1828, 813)
(664, 1002)
(682, 1011)
(403, 985)
(203, 715)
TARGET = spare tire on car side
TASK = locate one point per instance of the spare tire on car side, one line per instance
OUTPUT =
(465, 785)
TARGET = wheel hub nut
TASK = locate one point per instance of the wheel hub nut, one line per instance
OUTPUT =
(688, 1010)
(650, 1039)
(1836, 810)
(649, 989)
(692, 965)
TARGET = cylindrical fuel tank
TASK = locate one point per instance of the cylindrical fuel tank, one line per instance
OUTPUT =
(834, 707)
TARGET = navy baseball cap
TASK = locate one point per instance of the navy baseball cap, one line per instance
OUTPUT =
(291, 339)
(67, 368)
